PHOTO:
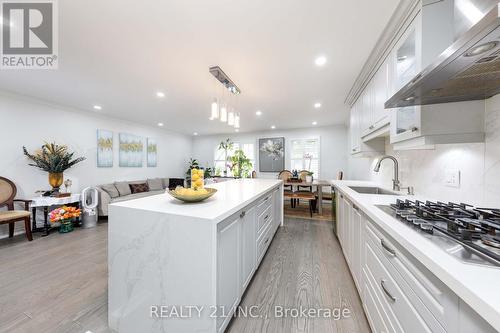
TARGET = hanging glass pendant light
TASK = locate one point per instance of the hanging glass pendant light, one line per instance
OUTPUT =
(223, 114)
(215, 110)
(230, 118)
(237, 120)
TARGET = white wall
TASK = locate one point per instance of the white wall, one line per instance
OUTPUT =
(29, 122)
(333, 140)
(479, 165)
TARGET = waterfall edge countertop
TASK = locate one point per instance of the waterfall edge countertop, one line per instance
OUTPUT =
(231, 196)
(165, 253)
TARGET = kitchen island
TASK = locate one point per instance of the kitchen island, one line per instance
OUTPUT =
(177, 267)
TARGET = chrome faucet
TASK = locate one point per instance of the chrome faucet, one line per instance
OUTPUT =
(396, 184)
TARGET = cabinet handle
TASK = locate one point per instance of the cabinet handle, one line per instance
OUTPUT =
(265, 218)
(414, 129)
(242, 215)
(387, 248)
(371, 127)
(355, 207)
(415, 79)
(353, 149)
(382, 284)
(267, 240)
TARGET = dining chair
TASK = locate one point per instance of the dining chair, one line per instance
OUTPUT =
(8, 193)
(306, 188)
(285, 175)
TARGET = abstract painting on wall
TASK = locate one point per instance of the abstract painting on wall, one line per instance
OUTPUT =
(131, 150)
(104, 148)
(271, 154)
(152, 153)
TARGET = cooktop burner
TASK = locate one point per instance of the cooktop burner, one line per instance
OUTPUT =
(471, 234)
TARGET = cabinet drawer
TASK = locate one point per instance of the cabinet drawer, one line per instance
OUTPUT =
(263, 242)
(395, 297)
(263, 220)
(264, 203)
(373, 308)
(431, 299)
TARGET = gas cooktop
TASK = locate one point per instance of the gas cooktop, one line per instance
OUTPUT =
(468, 233)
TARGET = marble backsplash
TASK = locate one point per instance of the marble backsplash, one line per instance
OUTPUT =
(478, 163)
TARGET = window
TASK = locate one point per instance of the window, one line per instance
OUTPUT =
(305, 155)
(219, 161)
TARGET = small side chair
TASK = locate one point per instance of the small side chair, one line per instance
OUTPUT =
(8, 193)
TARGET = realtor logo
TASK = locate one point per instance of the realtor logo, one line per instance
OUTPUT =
(29, 34)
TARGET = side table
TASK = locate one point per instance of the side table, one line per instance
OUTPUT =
(45, 203)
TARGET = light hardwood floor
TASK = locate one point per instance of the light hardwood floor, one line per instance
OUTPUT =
(59, 283)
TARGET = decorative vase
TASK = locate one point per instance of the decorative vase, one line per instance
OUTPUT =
(56, 180)
(66, 226)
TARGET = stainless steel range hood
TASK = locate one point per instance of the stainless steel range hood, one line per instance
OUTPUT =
(467, 70)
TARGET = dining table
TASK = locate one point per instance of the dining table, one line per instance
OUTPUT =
(318, 183)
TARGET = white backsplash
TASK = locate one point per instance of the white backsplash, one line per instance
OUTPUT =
(479, 165)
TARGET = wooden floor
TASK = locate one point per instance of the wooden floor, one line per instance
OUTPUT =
(59, 283)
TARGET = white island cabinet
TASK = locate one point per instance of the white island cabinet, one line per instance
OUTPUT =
(176, 267)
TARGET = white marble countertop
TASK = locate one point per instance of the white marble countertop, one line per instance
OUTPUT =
(476, 285)
(231, 196)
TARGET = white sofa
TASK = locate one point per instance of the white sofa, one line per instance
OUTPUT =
(121, 191)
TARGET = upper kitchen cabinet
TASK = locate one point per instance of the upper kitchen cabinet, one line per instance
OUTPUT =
(357, 122)
(429, 34)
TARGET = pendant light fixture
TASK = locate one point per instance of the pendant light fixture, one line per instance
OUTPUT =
(223, 107)
(237, 120)
(223, 113)
(230, 118)
(215, 110)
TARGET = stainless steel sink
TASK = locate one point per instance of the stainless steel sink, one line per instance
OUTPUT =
(372, 190)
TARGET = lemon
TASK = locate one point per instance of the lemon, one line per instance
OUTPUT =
(199, 182)
(195, 176)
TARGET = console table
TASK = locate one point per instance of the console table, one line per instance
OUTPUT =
(45, 203)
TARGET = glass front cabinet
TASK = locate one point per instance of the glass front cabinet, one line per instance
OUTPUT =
(405, 65)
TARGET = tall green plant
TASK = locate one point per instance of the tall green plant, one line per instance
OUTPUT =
(240, 164)
(52, 158)
(226, 146)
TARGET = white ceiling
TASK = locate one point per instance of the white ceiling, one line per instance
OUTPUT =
(118, 53)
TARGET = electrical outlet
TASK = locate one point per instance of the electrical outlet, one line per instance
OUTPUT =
(452, 177)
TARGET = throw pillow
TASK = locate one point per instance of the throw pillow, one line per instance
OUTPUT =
(123, 188)
(155, 184)
(139, 188)
(111, 190)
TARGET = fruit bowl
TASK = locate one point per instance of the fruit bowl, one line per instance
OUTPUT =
(190, 195)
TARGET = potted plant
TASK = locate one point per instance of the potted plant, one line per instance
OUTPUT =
(64, 215)
(240, 164)
(309, 177)
(226, 146)
(55, 159)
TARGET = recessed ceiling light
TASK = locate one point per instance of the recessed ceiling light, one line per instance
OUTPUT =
(315, 123)
(317, 105)
(273, 127)
(320, 61)
(195, 133)
(160, 124)
(258, 113)
(236, 130)
(97, 107)
(160, 94)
